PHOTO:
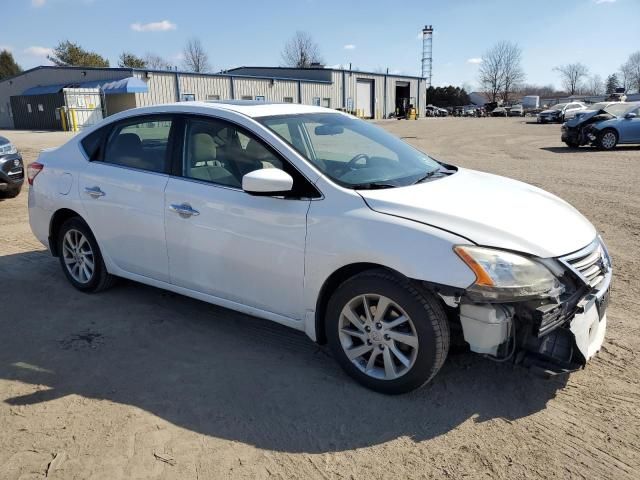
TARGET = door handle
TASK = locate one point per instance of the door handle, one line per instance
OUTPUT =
(94, 192)
(184, 210)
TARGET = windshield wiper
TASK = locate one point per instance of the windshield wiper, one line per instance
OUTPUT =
(426, 176)
(372, 186)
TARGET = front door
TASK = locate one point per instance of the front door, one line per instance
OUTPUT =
(122, 192)
(630, 128)
(227, 243)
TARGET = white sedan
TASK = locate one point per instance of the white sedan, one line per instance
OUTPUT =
(327, 224)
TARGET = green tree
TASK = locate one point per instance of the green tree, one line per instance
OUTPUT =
(71, 54)
(612, 83)
(129, 60)
(8, 66)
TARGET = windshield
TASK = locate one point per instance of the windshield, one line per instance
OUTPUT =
(597, 106)
(618, 109)
(354, 153)
(559, 106)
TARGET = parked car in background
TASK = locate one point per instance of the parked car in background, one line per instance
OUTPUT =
(11, 169)
(325, 223)
(617, 123)
(443, 112)
(516, 111)
(593, 107)
(560, 112)
(499, 112)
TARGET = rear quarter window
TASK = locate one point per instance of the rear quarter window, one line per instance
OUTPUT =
(92, 144)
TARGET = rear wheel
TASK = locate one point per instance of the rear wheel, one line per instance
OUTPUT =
(572, 144)
(388, 333)
(608, 139)
(80, 257)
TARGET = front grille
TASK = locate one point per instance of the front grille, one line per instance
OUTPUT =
(590, 264)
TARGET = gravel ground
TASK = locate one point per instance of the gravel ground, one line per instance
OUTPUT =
(141, 383)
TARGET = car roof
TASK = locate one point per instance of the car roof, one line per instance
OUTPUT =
(250, 108)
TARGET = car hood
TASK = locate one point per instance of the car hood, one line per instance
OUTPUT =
(489, 210)
(549, 112)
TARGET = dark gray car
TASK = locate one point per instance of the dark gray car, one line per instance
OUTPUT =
(11, 169)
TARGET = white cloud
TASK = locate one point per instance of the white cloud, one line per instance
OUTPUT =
(474, 60)
(162, 26)
(349, 46)
(38, 3)
(37, 51)
(598, 2)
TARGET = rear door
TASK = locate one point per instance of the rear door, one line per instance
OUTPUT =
(122, 191)
(225, 242)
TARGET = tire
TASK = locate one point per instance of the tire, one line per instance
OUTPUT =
(11, 192)
(572, 144)
(427, 328)
(87, 253)
(607, 139)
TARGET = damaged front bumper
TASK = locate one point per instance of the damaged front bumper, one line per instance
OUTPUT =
(549, 335)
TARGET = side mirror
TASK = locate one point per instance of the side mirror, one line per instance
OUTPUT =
(267, 181)
(631, 115)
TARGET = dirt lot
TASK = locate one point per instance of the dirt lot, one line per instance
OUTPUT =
(140, 383)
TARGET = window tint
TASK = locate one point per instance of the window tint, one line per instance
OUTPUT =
(140, 144)
(219, 152)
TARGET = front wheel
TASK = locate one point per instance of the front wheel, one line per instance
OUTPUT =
(80, 257)
(11, 192)
(387, 332)
(608, 139)
(572, 144)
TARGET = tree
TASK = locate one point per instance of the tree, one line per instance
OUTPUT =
(8, 66)
(195, 57)
(571, 76)
(631, 72)
(130, 60)
(595, 85)
(156, 62)
(501, 70)
(301, 51)
(71, 54)
(612, 83)
(447, 96)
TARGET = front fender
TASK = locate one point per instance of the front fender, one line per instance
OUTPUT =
(361, 235)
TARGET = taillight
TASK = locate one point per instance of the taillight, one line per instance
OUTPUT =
(33, 170)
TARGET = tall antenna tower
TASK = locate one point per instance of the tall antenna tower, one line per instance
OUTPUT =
(427, 52)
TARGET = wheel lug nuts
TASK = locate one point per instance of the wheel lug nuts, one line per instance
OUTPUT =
(387, 337)
(367, 328)
(369, 342)
(378, 325)
(381, 347)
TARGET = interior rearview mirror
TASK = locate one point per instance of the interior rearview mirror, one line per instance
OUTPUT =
(267, 181)
(329, 130)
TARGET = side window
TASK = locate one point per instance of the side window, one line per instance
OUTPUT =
(219, 152)
(140, 143)
(92, 144)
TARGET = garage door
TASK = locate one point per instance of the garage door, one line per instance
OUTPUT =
(364, 97)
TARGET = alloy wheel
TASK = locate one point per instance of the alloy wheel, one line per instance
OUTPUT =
(608, 140)
(78, 256)
(378, 336)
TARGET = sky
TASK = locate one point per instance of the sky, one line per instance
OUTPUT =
(371, 34)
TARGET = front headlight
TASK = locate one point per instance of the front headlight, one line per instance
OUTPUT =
(504, 276)
(8, 149)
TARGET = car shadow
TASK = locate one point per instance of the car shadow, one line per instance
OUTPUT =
(225, 374)
(588, 149)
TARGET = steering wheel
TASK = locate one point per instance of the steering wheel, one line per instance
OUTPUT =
(353, 163)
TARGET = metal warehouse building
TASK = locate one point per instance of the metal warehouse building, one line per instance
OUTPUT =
(34, 98)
